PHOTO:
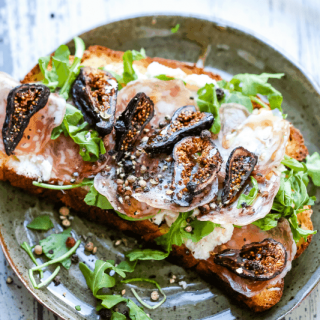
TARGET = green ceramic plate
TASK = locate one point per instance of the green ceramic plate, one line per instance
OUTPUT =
(231, 51)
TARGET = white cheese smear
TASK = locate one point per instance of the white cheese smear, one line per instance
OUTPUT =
(201, 249)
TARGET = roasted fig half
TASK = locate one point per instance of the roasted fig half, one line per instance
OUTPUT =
(185, 122)
(22, 103)
(131, 122)
(256, 261)
(240, 164)
(197, 162)
(95, 94)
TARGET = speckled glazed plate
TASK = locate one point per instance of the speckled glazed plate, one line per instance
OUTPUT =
(231, 51)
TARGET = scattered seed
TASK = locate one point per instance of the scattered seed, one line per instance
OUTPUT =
(70, 242)
(9, 280)
(74, 258)
(167, 117)
(144, 139)
(117, 243)
(142, 183)
(57, 280)
(146, 130)
(125, 242)
(123, 292)
(71, 218)
(132, 179)
(38, 250)
(164, 168)
(64, 294)
(172, 280)
(94, 251)
(89, 246)
(66, 223)
(63, 217)
(213, 205)
(143, 169)
(188, 228)
(154, 295)
(120, 181)
(169, 192)
(64, 211)
(152, 181)
(169, 159)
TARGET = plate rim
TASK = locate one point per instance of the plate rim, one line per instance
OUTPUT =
(218, 23)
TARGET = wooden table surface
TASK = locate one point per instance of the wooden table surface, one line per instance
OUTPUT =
(33, 28)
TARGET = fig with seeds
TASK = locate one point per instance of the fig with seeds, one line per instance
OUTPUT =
(257, 261)
(130, 124)
(22, 103)
(197, 162)
(95, 94)
(240, 164)
(185, 122)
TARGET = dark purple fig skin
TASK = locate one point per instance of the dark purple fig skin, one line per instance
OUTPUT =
(88, 105)
(165, 143)
(249, 261)
(193, 187)
(123, 125)
(249, 162)
(10, 136)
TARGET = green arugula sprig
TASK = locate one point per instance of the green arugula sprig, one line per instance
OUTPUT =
(292, 196)
(128, 71)
(175, 29)
(28, 250)
(62, 74)
(175, 236)
(249, 198)
(100, 279)
(56, 258)
(244, 88)
(42, 222)
(74, 126)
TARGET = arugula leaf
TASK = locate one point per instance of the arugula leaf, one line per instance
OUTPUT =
(291, 198)
(253, 84)
(54, 246)
(62, 74)
(164, 77)
(128, 57)
(175, 28)
(74, 126)
(139, 55)
(270, 221)
(313, 168)
(293, 164)
(119, 78)
(94, 198)
(28, 250)
(200, 229)
(146, 254)
(175, 234)
(42, 222)
(208, 102)
(249, 198)
(238, 97)
(125, 217)
(85, 182)
(99, 279)
(118, 316)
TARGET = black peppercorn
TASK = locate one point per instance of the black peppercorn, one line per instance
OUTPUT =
(220, 93)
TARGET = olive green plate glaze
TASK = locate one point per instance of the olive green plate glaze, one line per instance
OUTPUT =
(231, 51)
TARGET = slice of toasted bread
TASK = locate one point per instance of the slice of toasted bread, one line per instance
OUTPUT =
(98, 56)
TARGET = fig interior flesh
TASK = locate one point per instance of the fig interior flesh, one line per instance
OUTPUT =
(240, 164)
(22, 103)
(131, 123)
(197, 162)
(186, 121)
(257, 261)
(95, 94)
